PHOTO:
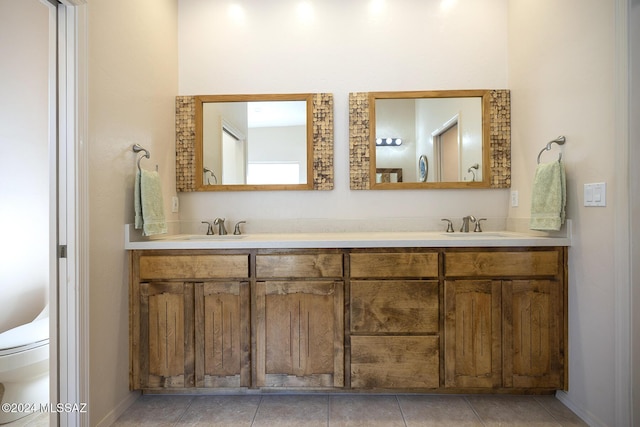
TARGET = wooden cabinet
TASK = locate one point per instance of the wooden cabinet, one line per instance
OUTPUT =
(191, 266)
(394, 362)
(300, 334)
(300, 320)
(413, 319)
(394, 306)
(222, 334)
(404, 263)
(299, 265)
(394, 332)
(166, 335)
(472, 330)
(505, 319)
(187, 332)
(533, 339)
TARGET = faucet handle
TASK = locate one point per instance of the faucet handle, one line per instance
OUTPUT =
(209, 228)
(478, 229)
(449, 225)
(236, 230)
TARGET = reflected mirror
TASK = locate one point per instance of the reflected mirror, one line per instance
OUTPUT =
(254, 142)
(428, 139)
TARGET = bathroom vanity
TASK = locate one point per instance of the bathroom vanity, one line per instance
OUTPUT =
(374, 312)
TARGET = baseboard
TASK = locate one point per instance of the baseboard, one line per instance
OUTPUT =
(586, 416)
(115, 413)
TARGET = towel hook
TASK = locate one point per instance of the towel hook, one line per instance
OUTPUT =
(138, 148)
(559, 140)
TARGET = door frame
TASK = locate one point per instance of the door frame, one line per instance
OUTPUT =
(69, 343)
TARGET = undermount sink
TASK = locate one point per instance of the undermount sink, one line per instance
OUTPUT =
(206, 237)
(479, 235)
(215, 237)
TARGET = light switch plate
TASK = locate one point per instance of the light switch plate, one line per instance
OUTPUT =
(595, 194)
(175, 204)
(514, 198)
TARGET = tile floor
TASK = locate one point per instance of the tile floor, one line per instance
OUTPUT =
(38, 419)
(348, 410)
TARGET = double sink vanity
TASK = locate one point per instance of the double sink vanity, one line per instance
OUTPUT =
(411, 311)
(428, 312)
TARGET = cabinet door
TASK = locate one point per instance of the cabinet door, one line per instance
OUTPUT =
(222, 334)
(472, 333)
(300, 331)
(166, 335)
(532, 311)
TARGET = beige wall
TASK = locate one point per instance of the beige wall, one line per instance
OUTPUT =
(560, 73)
(132, 66)
(24, 160)
(562, 78)
(634, 179)
(347, 46)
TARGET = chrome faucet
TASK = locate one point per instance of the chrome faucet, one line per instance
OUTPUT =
(465, 223)
(449, 225)
(220, 223)
(478, 229)
(209, 228)
(237, 230)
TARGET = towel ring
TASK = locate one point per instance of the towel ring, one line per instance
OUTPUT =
(138, 148)
(206, 171)
(559, 140)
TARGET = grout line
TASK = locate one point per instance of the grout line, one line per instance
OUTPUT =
(535, 398)
(328, 411)
(466, 399)
(253, 420)
(184, 412)
(404, 420)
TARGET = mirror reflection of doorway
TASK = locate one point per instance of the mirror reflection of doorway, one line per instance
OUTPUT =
(234, 156)
(446, 148)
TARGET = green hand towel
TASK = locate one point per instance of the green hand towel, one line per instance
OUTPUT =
(548, 199)
(149, 205)
(137, 202)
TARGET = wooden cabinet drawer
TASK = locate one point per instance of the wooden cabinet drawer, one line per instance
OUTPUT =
(395, 362)
(394, 306)
(194, 266)
(299, 266)
(394, 264)
(492, 264)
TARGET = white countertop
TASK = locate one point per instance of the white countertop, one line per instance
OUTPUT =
(341, 240)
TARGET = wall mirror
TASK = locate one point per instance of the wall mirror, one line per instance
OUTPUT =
(430, 139)
(254, 142)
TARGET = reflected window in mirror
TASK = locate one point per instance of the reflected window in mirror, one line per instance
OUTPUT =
(289, 161)
(256, 142)
(250, 141)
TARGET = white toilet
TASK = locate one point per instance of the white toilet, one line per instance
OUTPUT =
(24, 365)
